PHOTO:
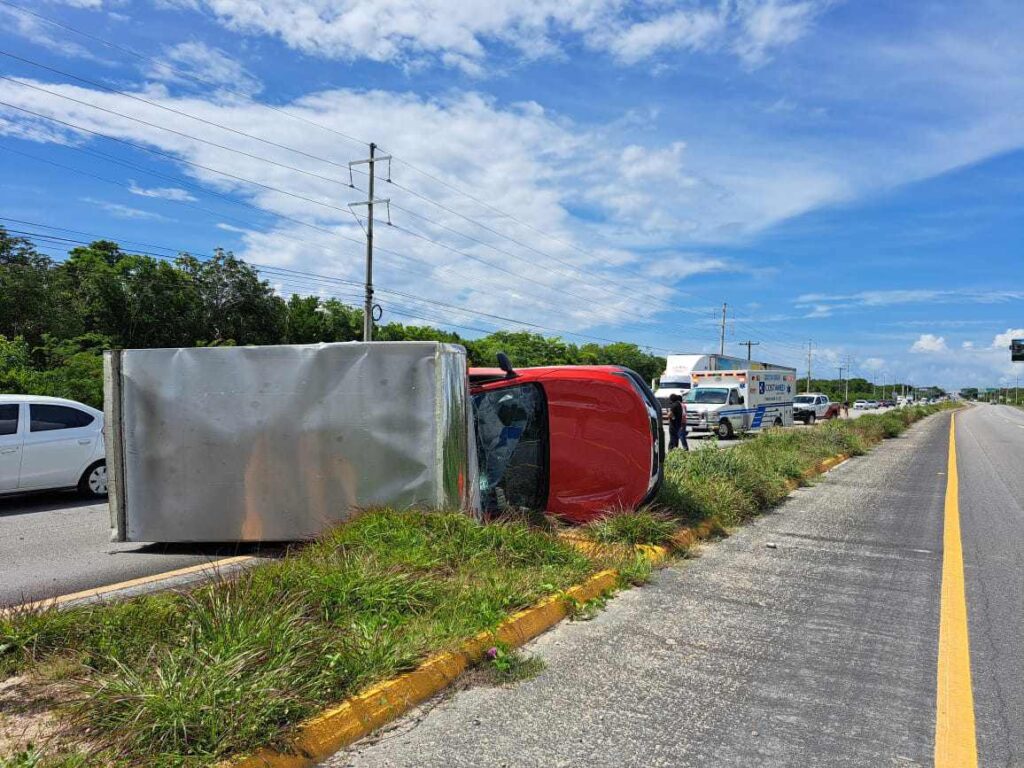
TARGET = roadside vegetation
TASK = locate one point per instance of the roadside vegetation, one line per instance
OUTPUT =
(185, 679)
(728, 487)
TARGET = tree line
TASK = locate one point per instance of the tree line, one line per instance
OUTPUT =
(57, 317)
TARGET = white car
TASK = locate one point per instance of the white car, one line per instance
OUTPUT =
(48, 443)
(860, 405)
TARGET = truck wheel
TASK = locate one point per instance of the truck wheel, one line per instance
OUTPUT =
(778, 422)
(724, 430)
(810, 419)
(93, 484)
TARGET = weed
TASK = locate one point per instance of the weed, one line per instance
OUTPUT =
(643, 526)
(585, 610)
(508, 665)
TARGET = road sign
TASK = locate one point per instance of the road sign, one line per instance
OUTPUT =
(1017, 350)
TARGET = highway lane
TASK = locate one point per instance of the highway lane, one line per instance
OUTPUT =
(55, 543)
(809, 638)
(990, 449)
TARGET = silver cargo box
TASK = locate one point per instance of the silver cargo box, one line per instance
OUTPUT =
(279, 443)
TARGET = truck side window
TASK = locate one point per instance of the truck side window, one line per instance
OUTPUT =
(734, 397)
(512, 447)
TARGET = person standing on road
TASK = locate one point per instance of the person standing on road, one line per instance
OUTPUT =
(846, 409)
(676, 423)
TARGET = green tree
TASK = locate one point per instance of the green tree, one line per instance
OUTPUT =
(35, 296)
(236, 303)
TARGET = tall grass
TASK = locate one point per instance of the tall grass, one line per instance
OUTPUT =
(730, 486)
(186, 679)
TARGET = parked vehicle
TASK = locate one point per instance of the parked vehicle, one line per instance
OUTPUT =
(860, 405)
(731, 402)
(872, 404)
(575, 441)
(282, 442)
(678, 369)
(814, 406)
(51, 443)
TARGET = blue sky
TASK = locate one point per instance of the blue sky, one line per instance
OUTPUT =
(843, 172)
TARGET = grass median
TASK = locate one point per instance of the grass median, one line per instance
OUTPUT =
(719, 489)
(184, 679)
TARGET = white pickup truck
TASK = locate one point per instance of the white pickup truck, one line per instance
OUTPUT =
(814, 406)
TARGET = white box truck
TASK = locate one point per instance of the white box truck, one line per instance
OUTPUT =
(732, 402)
(676, 380)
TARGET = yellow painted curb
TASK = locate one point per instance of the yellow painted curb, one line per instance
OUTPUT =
(322, 736)
(213, 566)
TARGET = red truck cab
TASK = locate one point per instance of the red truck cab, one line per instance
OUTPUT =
(575, 441)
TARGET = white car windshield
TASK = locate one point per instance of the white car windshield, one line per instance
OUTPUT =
(804, 399)
(708, 396)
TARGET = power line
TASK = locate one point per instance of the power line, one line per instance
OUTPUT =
(277, 190)
(247, 97)
(317, 277)
(575, 268)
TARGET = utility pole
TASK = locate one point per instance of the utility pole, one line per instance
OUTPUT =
(840, 377)
(748, 344)
(721, 344)
(848, 364)
(372, 161)
(810, 351)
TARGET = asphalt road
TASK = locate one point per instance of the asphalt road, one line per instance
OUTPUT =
(55, 544)
(809, 638)
(990, 451)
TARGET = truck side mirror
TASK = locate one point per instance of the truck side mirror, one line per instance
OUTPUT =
(741, 400)
(506, 365)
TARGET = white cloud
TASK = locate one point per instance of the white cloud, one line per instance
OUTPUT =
(928, 343)
(1002, 340)
(680, 266)
(967, 345)
(36, 31)
(162, 193)
(123, 211)
(458, 33)
(773, 24)
(680, 30)
(186, 62)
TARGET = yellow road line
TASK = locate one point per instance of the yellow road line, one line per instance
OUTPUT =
(142, 581)
(955, 741)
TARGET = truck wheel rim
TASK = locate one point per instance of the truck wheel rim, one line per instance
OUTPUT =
(98, 480)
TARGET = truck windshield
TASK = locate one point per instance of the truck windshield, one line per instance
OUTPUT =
(708, 396)
(664, 383)
(512, 447)
(804, 400)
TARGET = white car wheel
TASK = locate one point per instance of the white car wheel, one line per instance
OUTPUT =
(94, 481)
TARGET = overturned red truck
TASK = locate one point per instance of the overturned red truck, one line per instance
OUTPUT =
(282, 442)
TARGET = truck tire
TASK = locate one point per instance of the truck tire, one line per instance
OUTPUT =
(778, 422)
(811, 418)
(724, 430)
(93, 484)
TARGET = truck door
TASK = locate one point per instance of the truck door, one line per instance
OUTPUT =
(10, 446)
(736, 401)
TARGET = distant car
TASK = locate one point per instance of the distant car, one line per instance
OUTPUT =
(872, 404)
(888, 403)
(860, 405)
(813, 406)
(51, 443)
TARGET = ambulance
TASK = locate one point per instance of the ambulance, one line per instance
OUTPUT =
(728, 403)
